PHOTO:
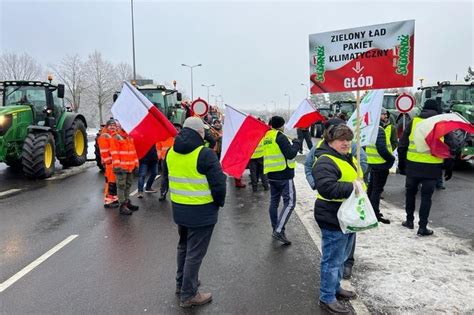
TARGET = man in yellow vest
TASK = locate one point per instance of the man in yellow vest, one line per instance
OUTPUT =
(420, 168)
(380, 159)
(279, 165)
(197, 189)
(256, 168)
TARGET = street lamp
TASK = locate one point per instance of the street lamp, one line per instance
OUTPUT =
(289, 101)
(307, 88)
(208, 86)
(421, 81)
(191, 67)
(133, 44)
(274, 104)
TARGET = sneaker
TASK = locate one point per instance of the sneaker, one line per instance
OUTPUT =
(345, 295)
(335, 307)
(151, 191)
(140, 194)
(424, 232)
(408, 224)
(281, 237)
(131, 206)
(125, 210)
(198, 299)
(347, 274)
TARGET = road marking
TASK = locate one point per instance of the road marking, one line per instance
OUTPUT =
(9, 192)
(133, 193)
(35, 263)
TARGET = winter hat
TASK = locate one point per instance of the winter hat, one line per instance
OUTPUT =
(110, 122)
(194, 123)
(277, 122)
(333, 122)
(431, 104)
(383, 111)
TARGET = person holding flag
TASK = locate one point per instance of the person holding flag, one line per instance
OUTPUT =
(381, 159)
(279, 165)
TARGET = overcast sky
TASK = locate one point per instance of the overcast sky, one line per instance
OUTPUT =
(254, 52)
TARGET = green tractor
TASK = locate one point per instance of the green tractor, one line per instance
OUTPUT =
(36, 129)
(166, 100)
(343, 109)
(455, 98)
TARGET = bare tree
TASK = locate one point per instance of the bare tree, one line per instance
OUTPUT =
(101, 85)
(19, 67)
(71, 72)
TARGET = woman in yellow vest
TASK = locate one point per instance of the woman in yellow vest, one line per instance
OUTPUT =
(421, 169)
(197, 188)
(335, 172)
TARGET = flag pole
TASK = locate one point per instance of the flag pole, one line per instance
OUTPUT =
(358, 130)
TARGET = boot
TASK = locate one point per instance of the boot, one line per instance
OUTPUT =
(113, 204)
(424, 231)
(345, 294)
(239, 184)
(335, 307)
(198, 299)
(162, 197)
(381, 219)
(408, 224)
(124, 209)
(131, 206)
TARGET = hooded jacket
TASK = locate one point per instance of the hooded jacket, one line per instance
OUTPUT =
(415, 169)
(326, 174)
(207, 164)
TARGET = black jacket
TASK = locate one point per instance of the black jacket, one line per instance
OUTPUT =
(326, 173)
(151, 156)
(289, 150)
(415, 169)
(381, 146)
(208, 164)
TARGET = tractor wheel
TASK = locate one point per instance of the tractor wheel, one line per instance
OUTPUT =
(98, 159)
(38, 155)
(75, 143)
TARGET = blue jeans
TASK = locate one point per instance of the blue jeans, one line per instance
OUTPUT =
(336, 247)
(143, 170)
(284, 189)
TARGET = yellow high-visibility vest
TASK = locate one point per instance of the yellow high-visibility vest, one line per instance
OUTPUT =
(348, 174)
(187, 186)
(373, 156)
(273, 158)
(421, 157)
(259, 151)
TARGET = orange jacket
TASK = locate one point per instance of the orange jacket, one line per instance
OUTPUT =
(122, 149)
(103, 141)
(163, 146)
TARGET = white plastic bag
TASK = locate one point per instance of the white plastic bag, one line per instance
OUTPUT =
(356, 212)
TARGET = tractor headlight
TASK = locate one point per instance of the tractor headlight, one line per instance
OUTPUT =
(5, 123)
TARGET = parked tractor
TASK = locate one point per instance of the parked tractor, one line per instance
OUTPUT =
(36, 129)
(458, 98)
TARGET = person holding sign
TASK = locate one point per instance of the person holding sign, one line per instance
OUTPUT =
(380, 158)
(335, 173)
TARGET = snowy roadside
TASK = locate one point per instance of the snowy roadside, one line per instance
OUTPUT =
(397, 272)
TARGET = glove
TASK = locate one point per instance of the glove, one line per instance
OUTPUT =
(448, 174)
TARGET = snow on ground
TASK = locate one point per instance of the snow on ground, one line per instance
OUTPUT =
(397, 272)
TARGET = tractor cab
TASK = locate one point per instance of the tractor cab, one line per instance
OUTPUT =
(44, 100)
(343, 109)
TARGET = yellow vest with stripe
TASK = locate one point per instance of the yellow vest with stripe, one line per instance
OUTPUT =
(420, 157)
(273, 158)
(259, 151)
(348, 174)
(187, 186)
(373, 156)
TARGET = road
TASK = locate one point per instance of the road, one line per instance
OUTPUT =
(126, 265)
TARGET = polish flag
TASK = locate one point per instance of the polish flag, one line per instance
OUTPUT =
(428, 133)
(240, 138)
(141, 119)
(305, 115)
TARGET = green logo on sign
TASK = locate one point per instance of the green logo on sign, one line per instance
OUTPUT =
(320, 59)
(403, 55)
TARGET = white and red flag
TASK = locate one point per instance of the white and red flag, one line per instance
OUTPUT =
(141, 119)
(305, 115)
(428, 133)
(240, 138)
